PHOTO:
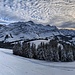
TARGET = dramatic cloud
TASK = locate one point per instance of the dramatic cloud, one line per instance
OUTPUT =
(54, 12)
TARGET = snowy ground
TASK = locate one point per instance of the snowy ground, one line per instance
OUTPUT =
(16, 65)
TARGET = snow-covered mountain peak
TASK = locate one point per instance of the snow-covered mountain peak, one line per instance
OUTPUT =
(27, 30)
(30, 30)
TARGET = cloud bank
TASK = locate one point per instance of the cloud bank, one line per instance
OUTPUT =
(54, 12)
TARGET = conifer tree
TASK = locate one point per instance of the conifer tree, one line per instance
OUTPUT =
(62, 53)
(73, 49)
(33, 51)
(69, 53)
(17, 49)
(53, 43)
(26, 48)
(40, 52)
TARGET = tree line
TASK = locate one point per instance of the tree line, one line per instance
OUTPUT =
(50, 51)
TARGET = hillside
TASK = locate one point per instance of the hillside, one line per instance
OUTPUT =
(30, 30)
(15, 65)
(26, 30)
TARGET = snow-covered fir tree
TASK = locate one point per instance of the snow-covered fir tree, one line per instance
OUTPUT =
(17, 49)
(69, 53)
(26, 49)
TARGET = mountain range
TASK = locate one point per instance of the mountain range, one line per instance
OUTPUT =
(30, 30)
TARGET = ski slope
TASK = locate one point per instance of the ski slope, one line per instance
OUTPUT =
(16, 65)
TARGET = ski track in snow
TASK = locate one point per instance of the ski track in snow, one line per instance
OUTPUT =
(15, 65)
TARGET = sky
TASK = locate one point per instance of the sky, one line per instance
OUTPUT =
(60, 13)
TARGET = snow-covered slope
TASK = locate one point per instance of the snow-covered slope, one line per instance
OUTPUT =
(15, 65)
(31, 30)
(26, 30)
(68, 32)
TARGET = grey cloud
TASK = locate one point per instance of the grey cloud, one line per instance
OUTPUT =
(45, 11)
(68, 24)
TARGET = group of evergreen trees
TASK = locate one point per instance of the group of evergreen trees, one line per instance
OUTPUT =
(46, 51)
